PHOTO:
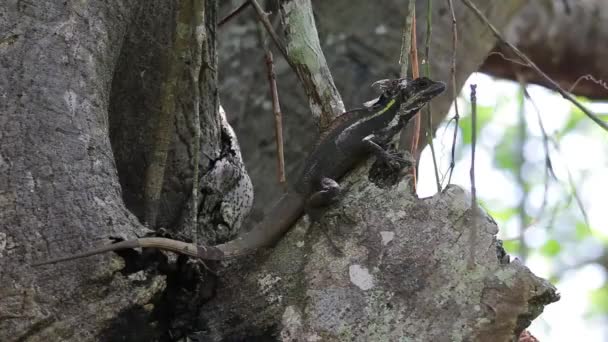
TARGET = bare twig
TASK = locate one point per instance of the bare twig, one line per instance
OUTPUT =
(429, 117)
(416, 117)
(263, 18)
(474, 211)
(512, 60)
(406, 39)
(278, 118)
(276, 107)
(404, 59)
(454, 89)
(573, 188)
(520, 160)
(531, 64)
(305, 56)
(233, 13)
(545, 138)
(589, 77)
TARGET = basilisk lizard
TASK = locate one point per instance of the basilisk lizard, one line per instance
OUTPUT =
(350, 139)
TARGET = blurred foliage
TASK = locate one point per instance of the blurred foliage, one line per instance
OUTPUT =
(599, 301)
(551, 229)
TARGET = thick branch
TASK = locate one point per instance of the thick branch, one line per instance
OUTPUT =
(399, 271)
(304, 50)
(566, 46)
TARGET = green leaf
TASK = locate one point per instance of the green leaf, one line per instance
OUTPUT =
(599, 301)
(505, 154)
(551, 248)
(576, 116)
(582, 230)
(511, 246)
(484, 116)
(503, 215)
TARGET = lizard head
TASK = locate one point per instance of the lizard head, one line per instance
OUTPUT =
(412, 94)
(417, 93)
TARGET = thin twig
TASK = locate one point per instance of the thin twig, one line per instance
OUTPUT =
(589, 77)
(278, 118)
(415, 74)
(512, 60)
(233, 13)
(545, 137)
(474, 211)
(520, 160)
(404, 58)
(573, 188)
(531, 64)
(454, 89)
(305, 57)
(429, 116)
(263, 18)
(276, 107)
(406, 39)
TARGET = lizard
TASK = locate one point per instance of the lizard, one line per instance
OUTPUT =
(351, 138)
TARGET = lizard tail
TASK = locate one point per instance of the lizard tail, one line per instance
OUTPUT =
(153, 242)
(288, 209)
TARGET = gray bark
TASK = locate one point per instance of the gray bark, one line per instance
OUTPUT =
(71, 93)
(59, 189)
(67, 97)
(403, 275)
(566, 43)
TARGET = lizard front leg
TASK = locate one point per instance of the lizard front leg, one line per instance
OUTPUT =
(373, 144)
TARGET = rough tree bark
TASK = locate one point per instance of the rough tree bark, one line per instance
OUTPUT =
(82, 95)
(566, 42)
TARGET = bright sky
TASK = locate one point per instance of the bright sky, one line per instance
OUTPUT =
(583, 155)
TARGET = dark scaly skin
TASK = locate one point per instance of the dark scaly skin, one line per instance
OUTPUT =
(351, 138)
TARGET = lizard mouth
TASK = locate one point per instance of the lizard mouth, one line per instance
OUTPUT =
(435, 89)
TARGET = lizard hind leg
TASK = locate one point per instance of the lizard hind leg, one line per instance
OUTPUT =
(328, 193)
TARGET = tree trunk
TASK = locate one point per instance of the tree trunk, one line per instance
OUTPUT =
(97, 141)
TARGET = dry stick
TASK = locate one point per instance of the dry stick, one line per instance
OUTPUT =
(534, 67)
(573, 189)
(548, 164)
(307, 60)
(406, 39)
(263, 18)
(474, 211)
(278, 119)
(276, 108)
(520, 160)
(415, 74)
(404, 58)
(454, 89)
(429, 121)
(589, 77)
(233, 13)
